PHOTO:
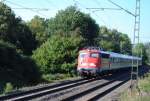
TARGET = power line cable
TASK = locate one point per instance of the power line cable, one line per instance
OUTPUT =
(101, 18)
(24, 7)
(99, 4)
(37, 9)
(50, 2)
(121, 8)
(102, 9)
(89, 10)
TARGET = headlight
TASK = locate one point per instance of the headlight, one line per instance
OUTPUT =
(84, 64)
(92, 64)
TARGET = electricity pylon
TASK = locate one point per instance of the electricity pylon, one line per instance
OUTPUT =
(135, 64)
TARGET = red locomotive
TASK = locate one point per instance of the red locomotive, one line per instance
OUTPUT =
(92, 61)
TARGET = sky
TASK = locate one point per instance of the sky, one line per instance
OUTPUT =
(113, 19)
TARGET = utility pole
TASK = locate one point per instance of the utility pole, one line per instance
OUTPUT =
(134, 70)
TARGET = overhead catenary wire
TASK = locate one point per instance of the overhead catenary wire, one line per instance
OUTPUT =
(37, 9)
(127, 11)
(102, 8)
(50, 2)
(25, 7)
(76, 2)
(2, 1)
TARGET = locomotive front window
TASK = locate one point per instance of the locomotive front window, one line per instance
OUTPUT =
(83, 55)
(94, 55)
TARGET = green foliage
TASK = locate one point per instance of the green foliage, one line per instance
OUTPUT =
(144, 83)
(38, 26)
(147, 48)
(135, 96)
(57, 54)
(24, 39)
(125, 44)
(15, 68)
(112, 40)
(140, 51)
(14, 30)
(72, 19)
(53, 77)
(8, 88)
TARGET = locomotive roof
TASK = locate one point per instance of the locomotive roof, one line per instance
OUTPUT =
(112, 54)
(86, 50)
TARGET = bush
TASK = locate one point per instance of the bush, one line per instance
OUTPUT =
(58, 54)
(51, 77)
(15, 68)
(8, 88)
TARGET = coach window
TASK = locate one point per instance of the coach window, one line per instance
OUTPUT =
(103, 55)
(116, 60)
(112, 60)
(121, 60)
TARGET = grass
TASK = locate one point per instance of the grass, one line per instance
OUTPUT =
(144, 95)
(8, 88)
(144, 84)
(135, 96)
(57, 77)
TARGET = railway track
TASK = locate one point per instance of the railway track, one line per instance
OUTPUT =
(97, 91)
(79, 90)
(42, 91)
(39, 89)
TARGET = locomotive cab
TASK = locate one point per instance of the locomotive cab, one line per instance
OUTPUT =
(88, 62)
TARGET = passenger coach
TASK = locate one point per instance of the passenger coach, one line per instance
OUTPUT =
(93, 61)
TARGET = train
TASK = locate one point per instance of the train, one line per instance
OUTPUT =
(92, 61)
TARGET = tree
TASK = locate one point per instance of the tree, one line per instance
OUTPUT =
(125, 44)
(140, 51)
(147, 47)
(72, 19)
(58, 54)
(112, 40)
(106, 39)
(17, 69)
(38, 27)
(7, 19)
(15, 31)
